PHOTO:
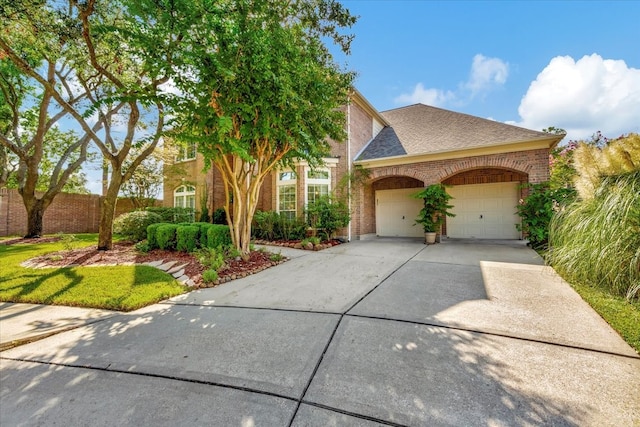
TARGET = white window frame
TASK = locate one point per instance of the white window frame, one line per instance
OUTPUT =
(186, 153)
(310, 180)
(287, 178)
(186, 194)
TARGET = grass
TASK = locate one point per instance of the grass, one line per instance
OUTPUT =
(122, 288)
(597, 240)
(623, 315)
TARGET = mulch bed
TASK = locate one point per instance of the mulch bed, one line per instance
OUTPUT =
(124, 253)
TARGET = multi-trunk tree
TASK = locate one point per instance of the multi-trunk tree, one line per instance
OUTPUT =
(36, 156)
(261, 91)
(115, 57)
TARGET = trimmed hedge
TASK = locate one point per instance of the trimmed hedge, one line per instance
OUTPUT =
(218, 236)
(187, 237)
(204, 228)
(152, 233)
(166, 237)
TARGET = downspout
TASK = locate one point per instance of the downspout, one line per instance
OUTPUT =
(349, 166)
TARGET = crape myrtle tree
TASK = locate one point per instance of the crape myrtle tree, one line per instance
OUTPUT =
(261, 91)
(116, 56)
(36, 157)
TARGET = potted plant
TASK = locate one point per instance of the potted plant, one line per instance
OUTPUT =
(435, 210)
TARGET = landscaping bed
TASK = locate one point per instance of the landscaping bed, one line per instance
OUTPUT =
(124, 253)
(301, 244)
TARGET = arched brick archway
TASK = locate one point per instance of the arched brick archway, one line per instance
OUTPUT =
(485, 176)
(532, 164)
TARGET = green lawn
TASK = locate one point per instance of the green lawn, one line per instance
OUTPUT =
(122, 288)
(622, 315)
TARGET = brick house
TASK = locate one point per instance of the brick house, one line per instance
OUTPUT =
(482, 161)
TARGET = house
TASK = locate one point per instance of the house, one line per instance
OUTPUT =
(483, 162)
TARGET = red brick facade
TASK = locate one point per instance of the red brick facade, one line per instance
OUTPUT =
(522, 166)
(362, 122)
(68, 213)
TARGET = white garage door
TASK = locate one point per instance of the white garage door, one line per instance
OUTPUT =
(484, 211)
(396, 212)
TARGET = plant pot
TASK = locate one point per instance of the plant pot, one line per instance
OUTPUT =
(430, 238)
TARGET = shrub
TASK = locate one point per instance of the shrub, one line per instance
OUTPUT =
(537, 209)
(166, 237)
(276, 257)
(210, 257)
(143, 247)
(173, 215)
(264, 224)
(210, 276)
(218, 236)
(219, 217)
(204, 227)
(270, 225)
(204, 215)
(597, 240)
(327, 215)
(152, 234)
(133, 225)
(69, 241)
(187, 238)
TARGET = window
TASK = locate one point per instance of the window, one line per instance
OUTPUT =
(184, 197)
(186, 153)
(287, 194)
(318, 182)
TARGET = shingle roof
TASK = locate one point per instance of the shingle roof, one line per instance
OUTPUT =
(422, 129)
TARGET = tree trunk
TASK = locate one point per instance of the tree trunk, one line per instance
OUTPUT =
(107, 213)
(35, 213)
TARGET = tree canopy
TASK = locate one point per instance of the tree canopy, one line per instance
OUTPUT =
(102, 63)
(261, 90)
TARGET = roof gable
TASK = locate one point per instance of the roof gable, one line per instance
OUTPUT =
(422, 129)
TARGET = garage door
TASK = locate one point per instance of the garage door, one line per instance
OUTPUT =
(484, 211)
(396, 212)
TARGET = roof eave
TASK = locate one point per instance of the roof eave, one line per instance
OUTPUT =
(366, 105)
(546, 142)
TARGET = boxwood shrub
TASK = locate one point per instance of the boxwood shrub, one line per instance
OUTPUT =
(218, 236)
(166, 237)
(187, 237)
(204, 227)
(152, 235)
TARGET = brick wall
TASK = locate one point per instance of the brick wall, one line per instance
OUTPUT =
(525, 166)
(68, 213)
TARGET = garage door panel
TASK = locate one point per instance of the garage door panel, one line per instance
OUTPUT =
(484, 211)
(396, 212)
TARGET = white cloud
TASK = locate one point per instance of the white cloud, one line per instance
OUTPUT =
(420, 95)
(485, 75)
(583, 97)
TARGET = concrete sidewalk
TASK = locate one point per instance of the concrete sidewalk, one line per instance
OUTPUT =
(382, 332)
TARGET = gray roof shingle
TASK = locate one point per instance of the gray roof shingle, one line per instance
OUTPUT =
(422, 129)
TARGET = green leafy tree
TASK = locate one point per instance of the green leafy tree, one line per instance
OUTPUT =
(104, 63)
(262, 91)
(145, 183)
(36, 155)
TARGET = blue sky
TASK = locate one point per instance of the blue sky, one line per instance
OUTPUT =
(569, 64)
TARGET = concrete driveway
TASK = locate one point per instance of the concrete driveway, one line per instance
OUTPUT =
(382, 332)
